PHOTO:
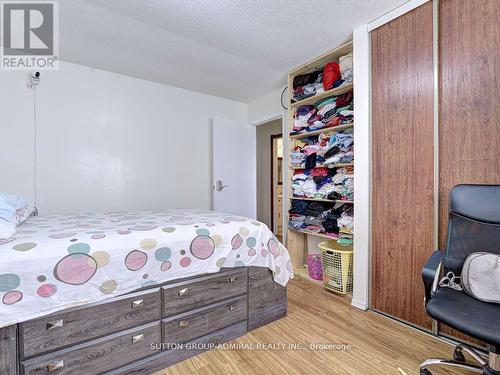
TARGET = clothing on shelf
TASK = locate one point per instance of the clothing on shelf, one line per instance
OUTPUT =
(325, 149)
(324, 183)
(345, 62)
(319, 217)
(329, 112)
(343, 184)
(347, 76)
(307, 85)
(345, 65)
(331, 74)
(346, 227)
(322, 157)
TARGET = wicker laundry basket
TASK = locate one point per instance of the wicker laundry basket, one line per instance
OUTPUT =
(337, 267)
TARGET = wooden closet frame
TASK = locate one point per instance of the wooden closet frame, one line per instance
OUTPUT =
(297, 240)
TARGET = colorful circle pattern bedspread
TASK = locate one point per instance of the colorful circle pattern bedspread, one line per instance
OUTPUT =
(54, 262)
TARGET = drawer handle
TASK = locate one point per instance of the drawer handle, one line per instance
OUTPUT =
(56, 324)
(232, 307)
(183, 291)
(138, 338)
(137, 303)
(54, 366)
(232, 279)
(183, 323)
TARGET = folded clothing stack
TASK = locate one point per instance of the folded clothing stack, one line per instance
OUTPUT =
(344, 184)
(307, 85)
(326, 113)
(323, 150)
(308, 152)
(340, 149)
(317, 217)
(334, 74)
(324, 183)
(346, 227)
(345, 66)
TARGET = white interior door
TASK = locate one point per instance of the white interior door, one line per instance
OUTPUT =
(233, 157)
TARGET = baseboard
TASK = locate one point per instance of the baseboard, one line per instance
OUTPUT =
(359, 305)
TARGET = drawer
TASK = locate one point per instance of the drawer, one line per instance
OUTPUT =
(168, 358)
(85, 323)
(202, 291)
(193, 324)
(98, 356)
(266, 299)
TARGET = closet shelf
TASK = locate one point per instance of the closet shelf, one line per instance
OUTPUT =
(333, 92)
(332, 166)
(322, 235)
(335, 129)
(321, 200)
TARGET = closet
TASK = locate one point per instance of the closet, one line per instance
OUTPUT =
(317, 113)
(469, 109)
(402, 163)
(435, 124)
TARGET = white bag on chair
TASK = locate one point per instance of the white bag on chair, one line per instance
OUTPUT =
(481, 276)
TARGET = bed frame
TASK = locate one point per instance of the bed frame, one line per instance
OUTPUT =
(124, 335)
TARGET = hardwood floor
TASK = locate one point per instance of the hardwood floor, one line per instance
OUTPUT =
(379, 345)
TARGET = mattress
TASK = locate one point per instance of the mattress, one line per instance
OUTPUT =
(60, 261)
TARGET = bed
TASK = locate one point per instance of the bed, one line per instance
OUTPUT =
(127, 292)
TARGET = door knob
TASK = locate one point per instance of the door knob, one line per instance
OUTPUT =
(219, 186)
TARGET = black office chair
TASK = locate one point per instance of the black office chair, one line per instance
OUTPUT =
(473, 225)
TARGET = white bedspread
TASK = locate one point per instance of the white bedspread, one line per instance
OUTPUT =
(55, 262)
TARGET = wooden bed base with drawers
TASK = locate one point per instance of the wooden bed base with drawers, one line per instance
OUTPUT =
(130, 334)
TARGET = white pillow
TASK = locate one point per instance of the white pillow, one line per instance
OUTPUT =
(13, 211)
(7, 229)
(23, 213)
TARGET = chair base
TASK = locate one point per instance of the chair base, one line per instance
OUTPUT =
(485, 367)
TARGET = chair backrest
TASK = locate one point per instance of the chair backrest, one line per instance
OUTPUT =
(473, 223)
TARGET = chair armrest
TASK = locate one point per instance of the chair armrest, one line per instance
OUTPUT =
(430, 272)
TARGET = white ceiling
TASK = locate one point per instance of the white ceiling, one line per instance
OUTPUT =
(237, 49)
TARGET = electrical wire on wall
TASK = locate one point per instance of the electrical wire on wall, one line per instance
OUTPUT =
(32, 84)
(282, 97)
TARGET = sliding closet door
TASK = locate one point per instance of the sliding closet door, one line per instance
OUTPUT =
(469, 98)
(402, 163)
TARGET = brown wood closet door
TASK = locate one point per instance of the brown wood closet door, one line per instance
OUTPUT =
(469, 99)
(402, 163)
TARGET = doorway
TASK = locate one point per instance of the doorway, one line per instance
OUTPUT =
(277, 185)
(269, 152)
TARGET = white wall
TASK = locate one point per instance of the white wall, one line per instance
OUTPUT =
(107, 141)
(267, 107)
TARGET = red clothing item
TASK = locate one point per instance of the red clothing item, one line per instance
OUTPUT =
(316, 172)
(331, 73)
(343, 99)
(333, 122)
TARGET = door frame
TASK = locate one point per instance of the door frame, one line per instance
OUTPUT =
(281, 115)
(273, 137)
